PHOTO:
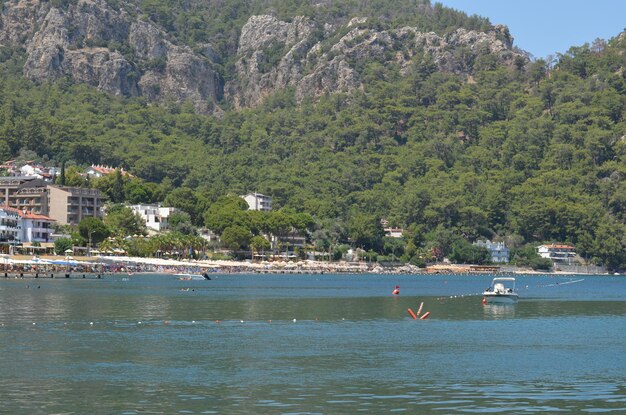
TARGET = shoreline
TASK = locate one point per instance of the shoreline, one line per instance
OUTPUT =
(101, 265)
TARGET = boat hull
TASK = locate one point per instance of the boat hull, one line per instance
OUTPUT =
(491, 298)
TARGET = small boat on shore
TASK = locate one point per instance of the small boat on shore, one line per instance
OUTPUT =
(501, 291)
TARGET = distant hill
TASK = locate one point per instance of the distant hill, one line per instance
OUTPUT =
(198, 50)
(423, 115)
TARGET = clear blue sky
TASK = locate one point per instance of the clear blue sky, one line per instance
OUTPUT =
(544, 27)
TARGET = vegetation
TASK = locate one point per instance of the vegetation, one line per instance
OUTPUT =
(218, 22)
(526, 154)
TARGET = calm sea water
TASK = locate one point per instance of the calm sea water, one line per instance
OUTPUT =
(314, 344)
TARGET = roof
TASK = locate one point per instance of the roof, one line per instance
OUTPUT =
(558, 246)
(9, 209)
(259, 195)
(107, 169)
(25, 214)
(30, 215)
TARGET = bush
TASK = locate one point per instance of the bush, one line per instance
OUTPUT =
(540, 264)
(418, 261)
(62, 244)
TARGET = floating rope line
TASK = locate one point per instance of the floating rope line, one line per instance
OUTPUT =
(562, 283)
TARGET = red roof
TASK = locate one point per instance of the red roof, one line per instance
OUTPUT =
(559, 246)
(25, 213)
(29, 215)
(108, 170)
(10, 209)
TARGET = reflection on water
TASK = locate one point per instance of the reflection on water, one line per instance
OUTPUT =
(231, 346)
(497, 311)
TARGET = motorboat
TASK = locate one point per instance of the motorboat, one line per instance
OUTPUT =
(501, 291)
(189, 277)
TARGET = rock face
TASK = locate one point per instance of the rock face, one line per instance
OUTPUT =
(109, 47)
(314, 65)
(84, 43)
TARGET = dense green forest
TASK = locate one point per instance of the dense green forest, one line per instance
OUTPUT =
(525, 155)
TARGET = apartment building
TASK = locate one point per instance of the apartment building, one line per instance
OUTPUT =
(67, 205)
(24, 192)
(257, 201)
(9, 225)
(155, 216)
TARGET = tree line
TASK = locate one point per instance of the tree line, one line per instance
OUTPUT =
(524, 155)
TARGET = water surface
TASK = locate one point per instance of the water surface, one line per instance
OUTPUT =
(311, 344)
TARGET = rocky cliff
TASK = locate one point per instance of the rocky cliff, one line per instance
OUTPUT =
(108, 48)
(317, 64)
(111, 46)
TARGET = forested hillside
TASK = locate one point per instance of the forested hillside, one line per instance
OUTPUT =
(528, 153)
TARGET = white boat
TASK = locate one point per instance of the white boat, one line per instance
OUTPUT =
(188, 277)
(502, 291)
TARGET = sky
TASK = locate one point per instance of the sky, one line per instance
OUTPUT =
(544, 27)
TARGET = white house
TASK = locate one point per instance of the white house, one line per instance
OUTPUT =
(35, 228)
(156, 216)
(257, 201)
(20, 226)
(497, 250)
(9, 225)
(99, 171)
(392, 232)
(558, 253)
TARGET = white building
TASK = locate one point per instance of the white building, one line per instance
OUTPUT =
(392, 232)
(21, 226)
(257, 201)
(497, 250)
(9, 225)
(35, 228)
(155, 216)
(99, 171)
(558, 253)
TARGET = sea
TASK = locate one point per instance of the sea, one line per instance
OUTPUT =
(311, 344)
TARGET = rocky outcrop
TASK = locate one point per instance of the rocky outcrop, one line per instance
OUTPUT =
(315, 65)
(85, 40)
(270, 57)
(104, 45)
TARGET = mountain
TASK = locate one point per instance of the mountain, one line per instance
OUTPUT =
(104, 46)
(273, 55)
(125, 49)
(350, 111)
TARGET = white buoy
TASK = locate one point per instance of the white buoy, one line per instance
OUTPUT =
(193, 321)
(294, 320)
(139, 322)
(241, 321)
(91, 323)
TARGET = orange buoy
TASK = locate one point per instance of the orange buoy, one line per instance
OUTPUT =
(484, 301)
(396, 291)
(411, 313)
(425, 316)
